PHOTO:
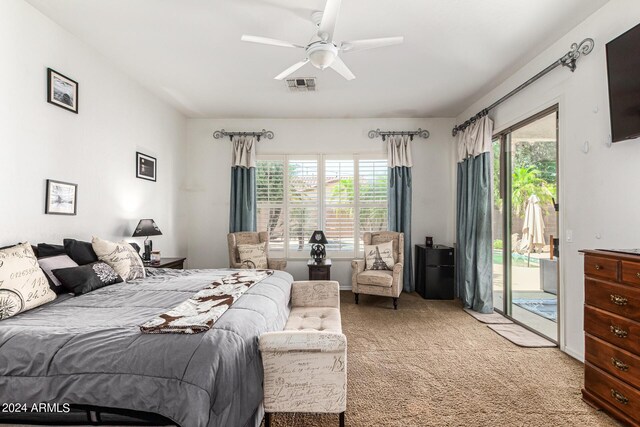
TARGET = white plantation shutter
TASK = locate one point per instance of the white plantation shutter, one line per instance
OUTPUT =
(342, 195)
(339, 206)
(270, 179)
(373, 175)
(303, 204)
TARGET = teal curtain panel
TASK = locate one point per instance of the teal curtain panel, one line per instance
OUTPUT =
(399, 200)
(243, 204)
(474, 278)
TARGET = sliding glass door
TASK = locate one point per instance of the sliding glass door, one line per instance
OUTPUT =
(525, 259)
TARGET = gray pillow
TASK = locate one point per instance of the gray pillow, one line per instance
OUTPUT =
(53, 263)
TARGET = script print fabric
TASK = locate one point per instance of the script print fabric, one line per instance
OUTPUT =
(23, 285)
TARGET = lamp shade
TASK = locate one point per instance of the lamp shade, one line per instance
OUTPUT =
(145, 228)
(318, 237)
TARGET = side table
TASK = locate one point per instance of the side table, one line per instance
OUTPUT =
(175, 263)
(319, 271)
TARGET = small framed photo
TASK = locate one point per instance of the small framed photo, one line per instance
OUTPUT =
(62, 91)
(146, 167)
(62, 198)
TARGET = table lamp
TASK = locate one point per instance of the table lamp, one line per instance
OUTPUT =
(147, 227)
(318, 240)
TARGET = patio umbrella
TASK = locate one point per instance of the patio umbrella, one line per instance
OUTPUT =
(533, 227)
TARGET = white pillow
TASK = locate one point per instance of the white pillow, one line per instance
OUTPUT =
(53, 263)
(23, 285)
(121, 257)
(253, 256)
(383, 261)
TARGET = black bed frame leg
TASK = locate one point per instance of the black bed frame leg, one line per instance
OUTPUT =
(357, 295)
(395, 303)
(267, 419)
(342, 417)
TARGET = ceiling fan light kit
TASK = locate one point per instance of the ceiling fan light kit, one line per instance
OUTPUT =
(322, 52)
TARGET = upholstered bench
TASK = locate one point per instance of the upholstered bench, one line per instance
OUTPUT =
(305, 365)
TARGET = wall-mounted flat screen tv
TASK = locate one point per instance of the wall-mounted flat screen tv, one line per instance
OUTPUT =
(623, 67)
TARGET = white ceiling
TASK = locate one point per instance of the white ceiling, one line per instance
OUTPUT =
(189, 52)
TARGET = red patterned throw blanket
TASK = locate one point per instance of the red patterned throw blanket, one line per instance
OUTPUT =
(201, 311)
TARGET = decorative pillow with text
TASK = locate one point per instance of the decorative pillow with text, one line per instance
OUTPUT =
(23, 285)
(253, 256)
(121, 257)
(379, 257)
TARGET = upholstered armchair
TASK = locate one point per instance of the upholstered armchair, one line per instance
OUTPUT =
(251, 238)
(386, 283)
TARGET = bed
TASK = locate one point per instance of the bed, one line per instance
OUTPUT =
(88, 351)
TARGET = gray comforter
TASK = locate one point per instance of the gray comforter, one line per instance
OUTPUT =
(89, 350)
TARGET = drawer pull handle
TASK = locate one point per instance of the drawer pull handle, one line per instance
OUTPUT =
(619, 332)
(619, 364)
(598, 267)
(638, 275)
(619, 397)
(619, 300)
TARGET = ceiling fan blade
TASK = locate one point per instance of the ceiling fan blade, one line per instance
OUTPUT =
(268, 41)
(329, 19)
(290, 70)
(342, 69)
(355, 45)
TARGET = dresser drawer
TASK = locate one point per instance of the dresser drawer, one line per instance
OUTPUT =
(618, 299)
(621, 332)
(617, 362)
(631, 272)
(605, 268)
(613, 391)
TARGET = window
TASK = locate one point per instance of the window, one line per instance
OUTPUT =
(271, 202)
(339, 206)
(302, 204)
(373, 185)
(342, 195)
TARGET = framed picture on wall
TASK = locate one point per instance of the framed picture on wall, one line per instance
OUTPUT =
(62, 91)
(146, 167)
(61, 199)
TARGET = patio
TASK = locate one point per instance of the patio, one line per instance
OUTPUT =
(528, 290)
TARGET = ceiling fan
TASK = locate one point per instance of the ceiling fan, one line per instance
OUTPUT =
(321, 51)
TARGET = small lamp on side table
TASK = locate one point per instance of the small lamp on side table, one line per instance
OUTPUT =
(318, 240)
(146, 228)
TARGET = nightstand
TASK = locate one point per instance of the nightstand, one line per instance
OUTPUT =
(319, 271)
(176, 263)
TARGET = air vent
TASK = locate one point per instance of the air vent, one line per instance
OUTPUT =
(302, 84)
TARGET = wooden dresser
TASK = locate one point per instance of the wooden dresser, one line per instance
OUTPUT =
(612, 333)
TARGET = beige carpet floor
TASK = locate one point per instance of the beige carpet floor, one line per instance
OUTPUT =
(431, 364)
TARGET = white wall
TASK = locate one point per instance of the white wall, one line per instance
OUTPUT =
(597, 200)
(94, 149)
(209, 166)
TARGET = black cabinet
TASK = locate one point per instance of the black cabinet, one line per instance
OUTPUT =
(435, 269)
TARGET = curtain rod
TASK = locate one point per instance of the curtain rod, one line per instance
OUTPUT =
(263, 133)
(421, 133)
(568, 60)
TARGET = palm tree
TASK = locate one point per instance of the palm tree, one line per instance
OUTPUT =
(527, 181)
